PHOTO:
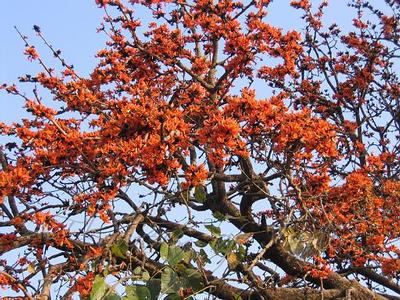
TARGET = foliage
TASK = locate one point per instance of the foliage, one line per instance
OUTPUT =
(209, 152)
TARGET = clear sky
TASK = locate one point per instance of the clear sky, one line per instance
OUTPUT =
(70, 25)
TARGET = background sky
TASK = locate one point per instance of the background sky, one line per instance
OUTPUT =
(70, 25)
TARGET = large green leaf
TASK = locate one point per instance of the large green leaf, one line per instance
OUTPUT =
(173, 254)
(170, 281)
(154, 286)
(137, 292)
(193, 279)
(99, 288)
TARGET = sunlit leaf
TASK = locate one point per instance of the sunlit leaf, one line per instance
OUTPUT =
(137, 271)
(31, 268)
(146, 276)
(232, 259)
(243, 238)
(287, 231)
(214, 230)
(99, 288)
(164, 250)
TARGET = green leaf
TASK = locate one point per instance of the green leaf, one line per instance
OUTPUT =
(106, 270)
(154, 286)
(204, 257)
(193, 279)
(137, 292)
(99, 288)
(219, 216)
(112, 296)
(188, 256)
(164, 250)
(137, 271)
(173, 296)
(119, 248)
(215, 231)
(200, 194)
(200, 244)
(241, 253)
(176, 235)
(146, 276)
(170, 281)
(221, 246)
(175, 255)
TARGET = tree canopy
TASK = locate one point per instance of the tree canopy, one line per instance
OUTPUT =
(209, 154)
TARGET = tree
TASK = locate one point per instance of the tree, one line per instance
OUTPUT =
(210, 152)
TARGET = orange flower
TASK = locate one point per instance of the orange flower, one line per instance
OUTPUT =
(31, 53)
(84, 284)
(195, 176)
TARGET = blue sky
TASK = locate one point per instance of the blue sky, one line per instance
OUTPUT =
(70, 25)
